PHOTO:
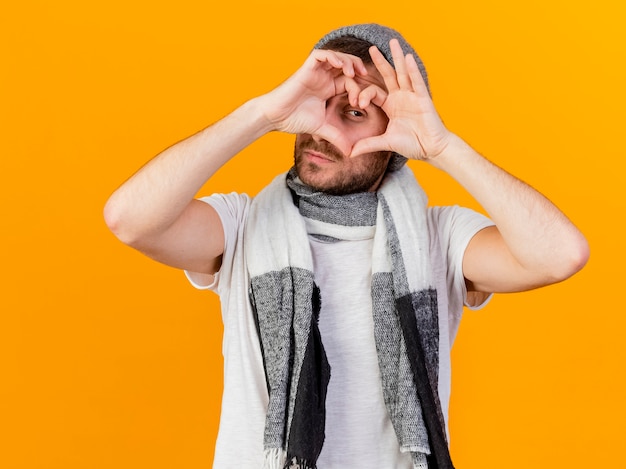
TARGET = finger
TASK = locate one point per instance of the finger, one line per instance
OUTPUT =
(353, 89)
(417, 80)
(384, 68)
(328, 59)
(400, 65)
(350, 65)
(372, 95)
(356, 63)
(348, 68)
(335, 137)
(340, 84)
(344, 84)
(370, 145)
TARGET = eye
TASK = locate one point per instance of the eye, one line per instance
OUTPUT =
(355, 113)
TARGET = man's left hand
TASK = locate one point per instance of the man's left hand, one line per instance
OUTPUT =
(415, 130)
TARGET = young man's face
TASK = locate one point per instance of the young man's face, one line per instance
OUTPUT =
(321, 165)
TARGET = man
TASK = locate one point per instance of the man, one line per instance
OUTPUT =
(341, 292)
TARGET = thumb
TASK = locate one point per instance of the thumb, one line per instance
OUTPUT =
(370, 145)
(335, 137)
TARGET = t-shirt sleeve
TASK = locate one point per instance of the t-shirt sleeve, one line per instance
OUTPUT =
(455, 226)
(232, 209)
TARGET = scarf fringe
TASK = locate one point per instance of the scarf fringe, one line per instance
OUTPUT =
(419, 460)
(274, 458)
(299, 463)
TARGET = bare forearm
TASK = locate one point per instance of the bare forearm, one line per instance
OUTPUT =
(155, 211)
(154, 197)
(537, 234)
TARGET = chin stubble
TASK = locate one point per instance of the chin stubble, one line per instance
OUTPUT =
(342, 183)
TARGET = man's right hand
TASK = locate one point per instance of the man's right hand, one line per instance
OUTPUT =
(155, 212)
(299, 104)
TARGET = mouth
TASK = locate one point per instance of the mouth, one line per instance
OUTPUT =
(318, 157)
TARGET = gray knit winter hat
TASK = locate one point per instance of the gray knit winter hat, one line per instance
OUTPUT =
(378, 36)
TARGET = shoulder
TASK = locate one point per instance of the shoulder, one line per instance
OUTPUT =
(232, 204)
(454, 224)
(232, 209)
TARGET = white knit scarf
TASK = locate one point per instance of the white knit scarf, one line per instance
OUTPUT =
(286, 302)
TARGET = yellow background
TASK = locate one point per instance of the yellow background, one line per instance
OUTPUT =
(108, 360)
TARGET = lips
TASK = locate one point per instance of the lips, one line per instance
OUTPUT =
(318, 157)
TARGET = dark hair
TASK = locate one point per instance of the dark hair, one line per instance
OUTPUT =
(351, 45)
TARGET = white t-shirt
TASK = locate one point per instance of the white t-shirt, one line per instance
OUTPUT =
(358, 429)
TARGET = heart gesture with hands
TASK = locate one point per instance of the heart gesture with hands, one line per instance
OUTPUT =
(298, 106)
(415, 130)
